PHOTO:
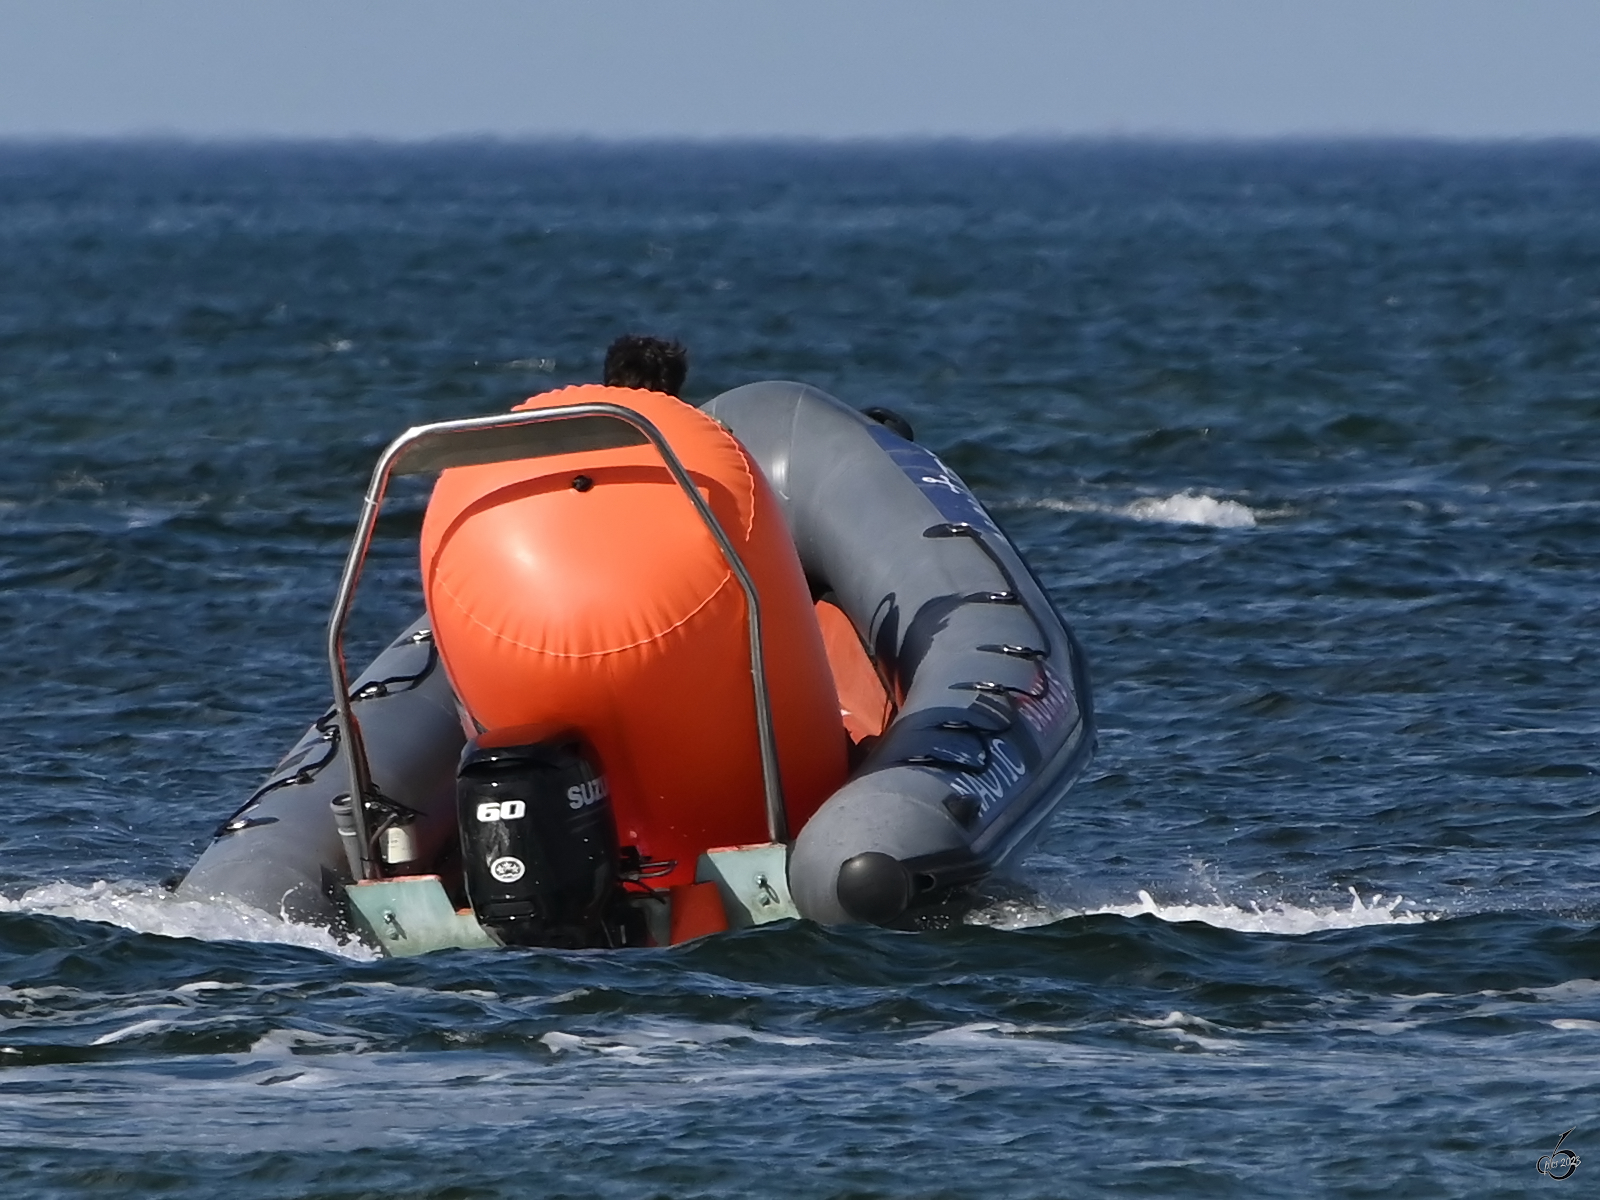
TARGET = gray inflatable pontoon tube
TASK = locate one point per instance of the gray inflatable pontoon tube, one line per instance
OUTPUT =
(995, 721)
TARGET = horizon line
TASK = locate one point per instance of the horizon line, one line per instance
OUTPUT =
(574, 140)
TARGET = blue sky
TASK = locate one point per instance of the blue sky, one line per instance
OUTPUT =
(808, 68)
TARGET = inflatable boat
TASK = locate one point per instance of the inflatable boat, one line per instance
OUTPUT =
(681, 670)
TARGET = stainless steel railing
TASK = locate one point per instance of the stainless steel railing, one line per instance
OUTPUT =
(476, 441)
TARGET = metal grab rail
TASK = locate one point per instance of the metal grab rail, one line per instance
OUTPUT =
(477, 441)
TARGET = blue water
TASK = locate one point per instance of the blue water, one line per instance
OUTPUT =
(1304, 440)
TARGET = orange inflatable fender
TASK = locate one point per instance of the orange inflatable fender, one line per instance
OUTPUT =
(584, 590)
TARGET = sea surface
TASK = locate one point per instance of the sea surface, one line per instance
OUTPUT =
(1304, 439)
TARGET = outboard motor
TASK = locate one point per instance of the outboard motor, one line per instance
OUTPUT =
(538, 840)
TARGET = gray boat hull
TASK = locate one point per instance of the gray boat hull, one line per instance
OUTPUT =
(994, 720)
(281, 850)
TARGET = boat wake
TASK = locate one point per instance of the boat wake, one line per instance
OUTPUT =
(146, 909)
(153, 910)
(1279, 917)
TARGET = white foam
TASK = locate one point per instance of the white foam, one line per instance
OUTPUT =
(1278, 917)
(1571, 989)
(134, 1030)
(1181, 508)
(204, 985)
(1185, 1031)
(1188, 1031)
(285, 1043)
(636, 1045)
(1185, 508)
(978, 1033)
(1176, 1020)
(558, 1041)
(146, 909)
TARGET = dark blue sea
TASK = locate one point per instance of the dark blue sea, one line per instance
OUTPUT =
(1304, 439)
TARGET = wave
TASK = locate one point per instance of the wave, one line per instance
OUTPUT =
(1181, 508)
(1279, 917)
(146, 909)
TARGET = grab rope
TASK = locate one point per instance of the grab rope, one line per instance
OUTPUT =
(298, 774)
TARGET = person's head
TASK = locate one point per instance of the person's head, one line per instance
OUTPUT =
(646, 362)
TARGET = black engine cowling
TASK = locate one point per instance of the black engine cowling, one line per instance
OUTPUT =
(538, 840)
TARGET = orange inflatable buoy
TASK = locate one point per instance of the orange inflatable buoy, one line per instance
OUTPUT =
(584, 590)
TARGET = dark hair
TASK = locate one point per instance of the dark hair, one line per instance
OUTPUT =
(889, 419)
(646, 362)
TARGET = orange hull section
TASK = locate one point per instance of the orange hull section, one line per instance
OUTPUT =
(864, 703)
(603, 604)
